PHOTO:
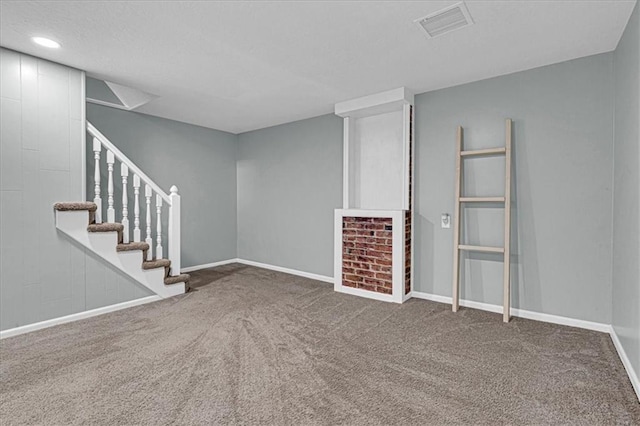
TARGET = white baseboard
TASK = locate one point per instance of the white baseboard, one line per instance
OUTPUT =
(317, 277)
(633, 376)
(208, 265)
(556, 319)
(75, 317)
(366, 294)
(522, 313)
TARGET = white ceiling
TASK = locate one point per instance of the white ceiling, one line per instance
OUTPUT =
(239, 66)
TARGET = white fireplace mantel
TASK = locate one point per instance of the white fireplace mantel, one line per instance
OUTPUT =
(377, 183)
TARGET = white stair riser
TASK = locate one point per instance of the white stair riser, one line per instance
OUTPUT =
(74, 224)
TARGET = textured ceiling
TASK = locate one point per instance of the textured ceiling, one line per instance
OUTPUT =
(239, 66)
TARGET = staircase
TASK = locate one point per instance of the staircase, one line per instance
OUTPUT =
(113, 241)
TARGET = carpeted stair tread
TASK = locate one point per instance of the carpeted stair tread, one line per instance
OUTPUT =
(173, 279)
(74, 206)
(105, 227)
(158, 263)
(132, 246)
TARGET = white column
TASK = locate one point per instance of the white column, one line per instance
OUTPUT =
(97, 147)
(111, 213)
(124, 173)
(136, 208)
(174, 231)
(148, 240)
(158, 226)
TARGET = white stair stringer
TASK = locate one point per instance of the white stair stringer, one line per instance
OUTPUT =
(74, 224)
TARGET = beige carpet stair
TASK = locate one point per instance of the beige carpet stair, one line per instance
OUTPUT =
(68, 207)
(158, 263)
(121, 247)
(132, 246)
(174, 279)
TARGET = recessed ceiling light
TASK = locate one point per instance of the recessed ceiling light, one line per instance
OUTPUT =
(46, 42)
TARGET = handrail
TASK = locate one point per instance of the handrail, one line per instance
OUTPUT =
(124, 159)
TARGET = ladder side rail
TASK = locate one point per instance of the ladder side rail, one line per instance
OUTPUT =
(506, 313)
(455, 299)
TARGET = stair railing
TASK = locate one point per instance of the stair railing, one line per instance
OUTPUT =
(150, 189)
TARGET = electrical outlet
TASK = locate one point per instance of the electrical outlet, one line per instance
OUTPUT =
(445, 221)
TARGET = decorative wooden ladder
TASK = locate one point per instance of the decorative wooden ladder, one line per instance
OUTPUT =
(506, 199)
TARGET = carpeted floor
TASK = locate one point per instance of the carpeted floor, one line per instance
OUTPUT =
(251, 346)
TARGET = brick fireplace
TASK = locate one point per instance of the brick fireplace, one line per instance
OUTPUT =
(367, 253)
(373, 230)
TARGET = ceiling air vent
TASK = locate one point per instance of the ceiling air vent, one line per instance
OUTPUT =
(446, 20)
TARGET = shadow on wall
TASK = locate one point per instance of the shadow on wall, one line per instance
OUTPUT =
(523, 229)
(424, 272)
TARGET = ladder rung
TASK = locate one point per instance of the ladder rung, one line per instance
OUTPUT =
(489, 151)
(482, 199)
(481, 248)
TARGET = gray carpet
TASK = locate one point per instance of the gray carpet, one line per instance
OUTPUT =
(251, 346)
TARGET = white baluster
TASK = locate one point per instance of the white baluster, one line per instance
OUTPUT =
(136, 208)
(97, 147)
(159, 227)
(111, 213)
(148, 240)
(174, 231)
(124, 172)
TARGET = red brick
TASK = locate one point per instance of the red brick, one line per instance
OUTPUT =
(383, 276)
(386, 262)
(376, 254)
(364, 273)
(352, 277)
(367, 287)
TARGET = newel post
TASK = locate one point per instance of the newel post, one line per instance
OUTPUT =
(174, 231)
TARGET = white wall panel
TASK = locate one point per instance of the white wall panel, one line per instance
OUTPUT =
(42, 274)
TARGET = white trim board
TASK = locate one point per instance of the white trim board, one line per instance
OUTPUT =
(208, 265)
(313, 276)
(75, 317)
(366, 293)
(310, 275)
(522, 313)
(633, 376)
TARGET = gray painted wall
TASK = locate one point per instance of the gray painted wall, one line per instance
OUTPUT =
(98, 89)
(201, 162)
(626, 201)
(289, 177)
(561, 217)
(289, 183)
(44, 275)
